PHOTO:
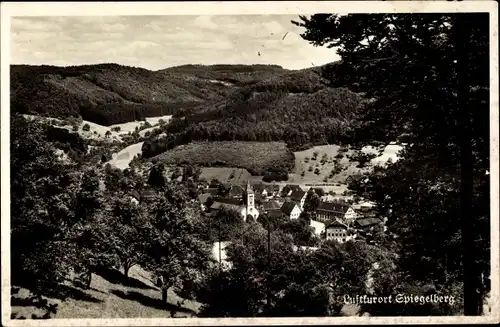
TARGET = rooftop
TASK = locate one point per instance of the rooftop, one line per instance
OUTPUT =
(363, 222)
(288, 207)
(297, 195)
(336, 224)
(335, 207)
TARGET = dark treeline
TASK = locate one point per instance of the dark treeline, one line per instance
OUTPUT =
(117, 113)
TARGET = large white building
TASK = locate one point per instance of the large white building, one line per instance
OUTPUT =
(339, 232)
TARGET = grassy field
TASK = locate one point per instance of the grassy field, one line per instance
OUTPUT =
(324, 165)
(110, 296)
(256, 157)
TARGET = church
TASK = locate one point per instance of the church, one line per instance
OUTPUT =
(246, 206)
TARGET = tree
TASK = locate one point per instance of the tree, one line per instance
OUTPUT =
(174, 250)
(42, 192)
(86, 127)
(156, 176)
(128, 238)
(437, 63)
(311, 202)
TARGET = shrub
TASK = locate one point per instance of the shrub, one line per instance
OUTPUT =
(86, 127)
(116, 129)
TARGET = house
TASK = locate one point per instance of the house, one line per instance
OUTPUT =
(299, 197)
(328, 198)
(335, 210)
(339, 232)
(236, 192)
(291, 210)
(245, 207)
(271, 190)
(219, 254)
(270, 206)
(288, 189)
(368, 224)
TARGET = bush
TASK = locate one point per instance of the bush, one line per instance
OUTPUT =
(116, 129)
(86, 127)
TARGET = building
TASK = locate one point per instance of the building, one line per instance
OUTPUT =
(368, 224)
(219, 254)
(271, 191)
(291, 210)
(299, 197)
(270, 206)
(288, 190)
(236, 192)
(245, 207)
(329, 198)
(327, 211)
(339, 232)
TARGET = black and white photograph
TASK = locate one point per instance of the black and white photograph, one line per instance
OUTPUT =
(249, 163)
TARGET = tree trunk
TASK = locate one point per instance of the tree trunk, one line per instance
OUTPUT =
(164, 295)
(126, 269)
(88, 279)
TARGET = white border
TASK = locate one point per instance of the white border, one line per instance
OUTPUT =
(234, 8)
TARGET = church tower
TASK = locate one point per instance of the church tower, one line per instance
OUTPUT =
(250, 200)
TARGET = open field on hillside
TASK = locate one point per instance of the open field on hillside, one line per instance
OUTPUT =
(256, 157)
(122, 159)
(324, 164)
(98, 132)
(111, 296)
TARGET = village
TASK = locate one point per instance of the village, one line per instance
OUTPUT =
(333, 218)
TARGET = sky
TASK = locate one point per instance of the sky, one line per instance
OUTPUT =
(157, 42)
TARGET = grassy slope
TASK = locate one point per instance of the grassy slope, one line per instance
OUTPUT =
(109, 298)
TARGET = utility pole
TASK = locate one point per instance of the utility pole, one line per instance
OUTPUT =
(220, 248)
(268, 262)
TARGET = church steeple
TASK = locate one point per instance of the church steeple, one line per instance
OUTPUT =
(248, 188)
(250, 197)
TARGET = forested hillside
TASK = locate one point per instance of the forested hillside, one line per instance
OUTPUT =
(110, 94)
(296, 107)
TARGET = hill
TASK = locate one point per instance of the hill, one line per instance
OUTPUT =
(296, 107)
(109, 94)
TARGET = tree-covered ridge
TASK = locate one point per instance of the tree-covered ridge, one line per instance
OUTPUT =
(296, 108)
(111, 93)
